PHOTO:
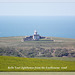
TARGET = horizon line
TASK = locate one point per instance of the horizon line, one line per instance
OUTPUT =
(30, 35)
(37, 2)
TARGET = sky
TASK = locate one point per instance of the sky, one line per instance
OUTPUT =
(37, 0)
(37, 7)
(49, 17)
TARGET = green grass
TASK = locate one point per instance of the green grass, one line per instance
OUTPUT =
(17, 43)
(6, 61)
(37, 73)
(58, 58)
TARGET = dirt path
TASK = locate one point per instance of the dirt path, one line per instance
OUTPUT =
(53, 54)
(21, 53)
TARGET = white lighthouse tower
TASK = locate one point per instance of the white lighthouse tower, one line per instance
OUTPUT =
(35, 32)
(36, 36)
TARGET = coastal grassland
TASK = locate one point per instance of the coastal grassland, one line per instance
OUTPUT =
(17, 42)
(58, 58)
(59, 47)
(37, 73)
(18, 62)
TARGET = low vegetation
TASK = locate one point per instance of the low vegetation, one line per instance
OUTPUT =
(59, 53)
(34, 64)
(37, 52)
(60, 47)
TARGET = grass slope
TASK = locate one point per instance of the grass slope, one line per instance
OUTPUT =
(58, 58)
(6, 61)
(16, 42)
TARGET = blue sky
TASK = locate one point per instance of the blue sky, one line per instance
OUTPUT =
(37, 7)
(37, 0)
(48, 17)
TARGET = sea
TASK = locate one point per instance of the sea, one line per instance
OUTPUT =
(50, 26)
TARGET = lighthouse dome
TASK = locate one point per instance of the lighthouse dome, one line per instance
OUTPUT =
(35, 32)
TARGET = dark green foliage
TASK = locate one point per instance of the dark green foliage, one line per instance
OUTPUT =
(6, 51)
(61, 52)
(73, 54)
(36, 52)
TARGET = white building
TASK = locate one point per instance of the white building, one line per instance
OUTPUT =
(36, 36)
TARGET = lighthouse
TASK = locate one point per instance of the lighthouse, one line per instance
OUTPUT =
(36, 36)
(35, 32)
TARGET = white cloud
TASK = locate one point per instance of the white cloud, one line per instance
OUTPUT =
(37, 0)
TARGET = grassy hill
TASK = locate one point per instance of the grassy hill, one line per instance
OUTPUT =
(34, 64)
(43, 55)
(58, 58)
(60, 47)
(17, 42)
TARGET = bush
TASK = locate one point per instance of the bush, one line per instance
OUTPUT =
(61, 52)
